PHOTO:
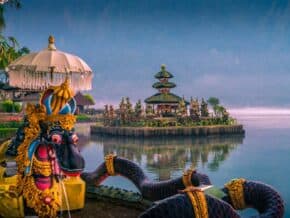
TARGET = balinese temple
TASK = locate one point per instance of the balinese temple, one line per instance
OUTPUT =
(164, 102)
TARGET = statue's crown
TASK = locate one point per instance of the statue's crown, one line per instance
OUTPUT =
(59, 99)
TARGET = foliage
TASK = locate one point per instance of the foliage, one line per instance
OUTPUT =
(85, 118)
(134, 117)
(12, 124)
(13, 3)
(9, 47)
(10, 106)
(10, 50)
(213, 101)
(7, 132)
(90, 98)
(178, 122)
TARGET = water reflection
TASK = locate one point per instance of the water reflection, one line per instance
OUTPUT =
(260, 156)
(163, 157)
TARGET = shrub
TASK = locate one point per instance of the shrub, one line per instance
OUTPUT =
(7, 132)
(8, 105)
(90, 98)
(86, 118)
(12, 124)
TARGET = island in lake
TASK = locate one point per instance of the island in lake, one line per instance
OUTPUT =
(167, 114)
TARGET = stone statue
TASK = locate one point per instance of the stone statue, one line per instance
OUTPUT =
(204, 108)
(194, 109)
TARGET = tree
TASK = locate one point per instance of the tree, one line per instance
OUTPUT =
(9, 47)
(214, 103)
(9, 51)
(13, 3)
(222, 112)
(9, 106)
(90, 98)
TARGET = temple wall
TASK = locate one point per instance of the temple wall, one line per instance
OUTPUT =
(168, 131)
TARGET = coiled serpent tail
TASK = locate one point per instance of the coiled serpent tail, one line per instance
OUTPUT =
(238, 194)
(149, 190)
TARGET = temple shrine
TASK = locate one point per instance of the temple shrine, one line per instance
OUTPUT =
(164, 102)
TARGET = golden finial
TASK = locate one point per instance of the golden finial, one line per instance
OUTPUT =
(163, 66)
(51, 41)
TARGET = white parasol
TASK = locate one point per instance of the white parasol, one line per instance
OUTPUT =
(39, 70)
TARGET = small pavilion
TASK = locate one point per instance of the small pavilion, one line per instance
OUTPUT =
(164, 102)
(82, 102)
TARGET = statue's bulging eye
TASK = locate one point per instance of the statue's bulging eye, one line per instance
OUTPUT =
(74, 139)
(56, 138)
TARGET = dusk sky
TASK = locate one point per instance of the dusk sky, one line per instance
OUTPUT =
(238, 51)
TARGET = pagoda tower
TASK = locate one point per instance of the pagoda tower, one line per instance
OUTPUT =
(164, 102)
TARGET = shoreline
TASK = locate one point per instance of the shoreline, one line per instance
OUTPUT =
(168, 131)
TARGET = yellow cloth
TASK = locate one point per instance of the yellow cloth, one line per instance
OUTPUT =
(236, 193)
(186, 178)
(109, 160)
(199, 203)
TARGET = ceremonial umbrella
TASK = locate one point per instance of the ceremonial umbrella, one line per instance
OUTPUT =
(49, 67)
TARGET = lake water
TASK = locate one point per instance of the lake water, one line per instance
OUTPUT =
(262, 154)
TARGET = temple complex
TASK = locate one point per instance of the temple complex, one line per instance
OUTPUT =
(164, 102)
(167, 114)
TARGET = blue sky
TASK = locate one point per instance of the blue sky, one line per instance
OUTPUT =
(238, 51)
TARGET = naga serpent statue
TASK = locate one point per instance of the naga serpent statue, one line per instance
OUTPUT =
(50, 177)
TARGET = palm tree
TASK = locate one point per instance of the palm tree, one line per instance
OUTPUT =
(12, 3)
(9, 47)
(214, 103)
(9, 51)
(219, 110)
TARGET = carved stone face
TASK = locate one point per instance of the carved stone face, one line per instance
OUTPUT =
(65, 147)
(58, 150)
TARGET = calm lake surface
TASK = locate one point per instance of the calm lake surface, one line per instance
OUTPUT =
(262, 154)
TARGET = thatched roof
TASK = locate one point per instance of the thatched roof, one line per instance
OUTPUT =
(159, 85)
(163, 73)
(82, 100)
(167, 98)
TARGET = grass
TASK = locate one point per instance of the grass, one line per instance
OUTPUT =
(86, 118)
